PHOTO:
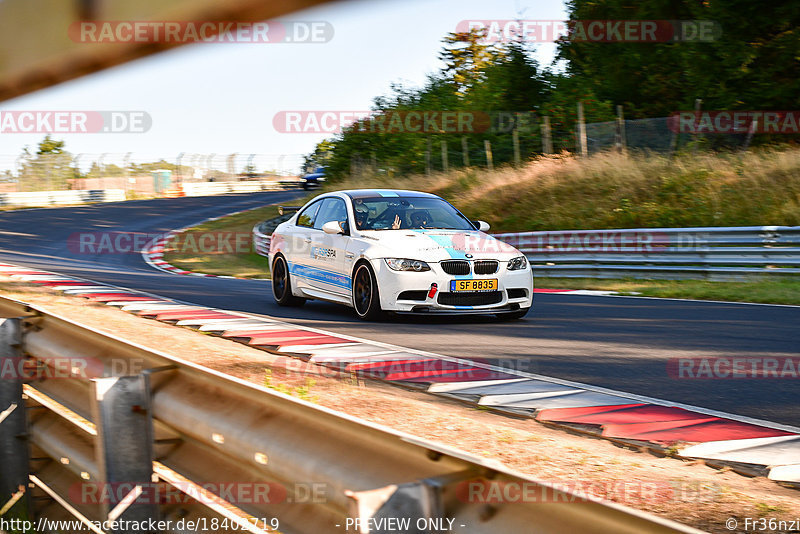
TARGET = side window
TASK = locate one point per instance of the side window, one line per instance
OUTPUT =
(308, 215)
(333, 209)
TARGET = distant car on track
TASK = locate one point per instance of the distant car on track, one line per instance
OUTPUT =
(396, 251)
(314, 179)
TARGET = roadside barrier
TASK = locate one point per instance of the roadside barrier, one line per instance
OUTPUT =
(54, 198)
(100, 412)
(715, 253)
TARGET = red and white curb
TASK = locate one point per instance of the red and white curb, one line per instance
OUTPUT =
(153, 252)
(591, 292)
(773, 449)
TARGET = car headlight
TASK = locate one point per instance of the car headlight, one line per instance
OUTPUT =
(515, 264)
(397, 264)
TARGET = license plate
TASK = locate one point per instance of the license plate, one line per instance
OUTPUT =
(473, 285)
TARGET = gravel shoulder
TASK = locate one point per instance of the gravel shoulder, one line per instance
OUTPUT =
(688, 492)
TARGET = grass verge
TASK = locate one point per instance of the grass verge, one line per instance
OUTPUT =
(611, 190)
(222, 247)
(781, 290)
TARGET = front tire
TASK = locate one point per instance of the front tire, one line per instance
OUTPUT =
(366, 299)
(282, 284)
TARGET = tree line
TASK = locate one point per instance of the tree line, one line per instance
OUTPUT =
(751, 63)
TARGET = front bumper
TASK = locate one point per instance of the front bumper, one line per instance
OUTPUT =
(396, 287)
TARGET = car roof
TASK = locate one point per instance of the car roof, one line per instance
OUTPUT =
(371, 193)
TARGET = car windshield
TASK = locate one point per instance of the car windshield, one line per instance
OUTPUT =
(407, 213)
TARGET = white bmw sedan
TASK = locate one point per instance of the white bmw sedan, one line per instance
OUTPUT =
(396, 251)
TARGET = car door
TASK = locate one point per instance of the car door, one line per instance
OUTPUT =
(327, 254)
(299, 245)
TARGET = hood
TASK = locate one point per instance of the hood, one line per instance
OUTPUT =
(437, 245)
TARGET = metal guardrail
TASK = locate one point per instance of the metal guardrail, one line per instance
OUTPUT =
(143, 416)
(715, 253)
(261, 239)
(50, 198)
(193, 189)
(262, 233)
(666, 253)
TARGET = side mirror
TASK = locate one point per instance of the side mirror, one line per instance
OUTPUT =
(332, 227)
(483, 226)
(282, 210)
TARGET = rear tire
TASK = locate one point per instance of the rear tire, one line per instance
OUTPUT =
(282, 284)
(366, 299)
(513, 316)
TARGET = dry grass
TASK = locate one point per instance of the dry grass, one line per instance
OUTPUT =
(609, 190)
(189, 250)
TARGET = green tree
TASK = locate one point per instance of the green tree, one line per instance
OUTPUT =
(49, 145)
(50, 168)
(322, 153)
(512, 82)
(466, 58)
(751, 63)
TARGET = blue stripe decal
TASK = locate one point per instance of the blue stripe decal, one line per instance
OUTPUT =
(446, 242)
(320, 275)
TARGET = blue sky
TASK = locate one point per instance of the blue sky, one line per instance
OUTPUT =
(220, 98)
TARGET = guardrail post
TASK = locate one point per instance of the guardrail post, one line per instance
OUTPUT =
(419, 506)
(583, 146)
(14, 453)
(124, 447)
(547, 139)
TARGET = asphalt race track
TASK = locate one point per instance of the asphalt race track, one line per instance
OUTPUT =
(615, 342)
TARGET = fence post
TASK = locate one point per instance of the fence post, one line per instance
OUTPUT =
(178, 170)
(487, 146)
(465, 151)
(250, 166)
(547, 139)
(620, 140)
(126, 163)
(428, 150)
(698, 102)
(231, 164)
(750, 133)
(673, 142)
(515, 141)
(582, 141)
(445, 162)
(14, 454)
(124, 445)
